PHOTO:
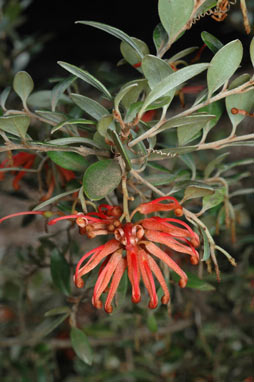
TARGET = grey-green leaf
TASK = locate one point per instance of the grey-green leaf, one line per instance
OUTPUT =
(81, 345)
(68, 160)
(174, 14)
(60, 272)
(160, 37)
(59, 89)
(85, 76)
(3, 97)
(171, 82)
(155, 70)
(213, 200)
(15, 124)
(241, 100)
(212, 165)
(91, 107)
(72, 122)
(223, 65)
(130, 54)
(101, 178)
(211, 41)
(252, 51)
(115, 32)
(23, 85)
(194, 191)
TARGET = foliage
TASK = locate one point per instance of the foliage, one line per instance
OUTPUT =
(104, 159)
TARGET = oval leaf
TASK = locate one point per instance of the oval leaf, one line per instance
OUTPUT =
(130, 54)
(155, 70)
(60, 272)
(23, 85)
(223, 65)
(4, 95)
(195, 191)
(68, 160)
(174, 14)
(15, 124)
(101, 178)
(243, 101)
(81, 345)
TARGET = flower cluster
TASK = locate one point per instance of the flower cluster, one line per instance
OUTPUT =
(133, 248)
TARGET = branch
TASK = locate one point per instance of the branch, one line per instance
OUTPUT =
(154, 130)
(43, 147)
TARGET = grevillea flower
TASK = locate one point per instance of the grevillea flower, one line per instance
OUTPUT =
(135, 247)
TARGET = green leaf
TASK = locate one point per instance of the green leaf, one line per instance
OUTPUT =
(130, 54)
(52, 116)
(60, 272)
(194, 191)
(81, 345)
(189, 120)
(85, 76)
(72, 122)
(42, 99)
(155, 70)
(101, 178)
(214, 164)
(122, 150)
(252, 51)
(213, 200)
(47, 326)
(91, 107)
(59, 310)
(171, 82)
(73, 140)
(195, 282)
(182, 54)
(15, 124)
(211, 41)
(152, 322)
(241, 100)
(216, 109)
(104, 124)
(4, 95)
(134, 93)
(59, 89)
(174, 15)
(160, 37)
(186, 134)
(23, 85)
(115, 32)
(187, 159)
(123, 91)
(68, 160)
(223, 65)
(54, 199)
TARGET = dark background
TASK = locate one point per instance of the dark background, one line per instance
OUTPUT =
(81, 45)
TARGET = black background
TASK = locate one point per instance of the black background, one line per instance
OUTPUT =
(81, 45)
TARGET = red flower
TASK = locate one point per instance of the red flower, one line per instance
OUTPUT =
(133, 247)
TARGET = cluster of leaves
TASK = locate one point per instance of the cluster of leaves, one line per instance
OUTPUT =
(129, 144)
